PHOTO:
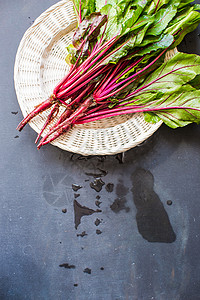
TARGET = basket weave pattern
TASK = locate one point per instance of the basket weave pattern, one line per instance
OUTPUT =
(40, 65)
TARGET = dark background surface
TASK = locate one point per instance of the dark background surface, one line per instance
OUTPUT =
(146, 249)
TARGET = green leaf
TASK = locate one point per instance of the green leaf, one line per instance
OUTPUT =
(164, 43)
(131, 45)
(89, 29)
(177, 71)
(151, 117)
(197, 7)
(184, 3)
(181, 14)
(132, 12)
(156, 5)
(184, 26)
(105, 10)
(162, 19)
(179, 109)
(87, 7)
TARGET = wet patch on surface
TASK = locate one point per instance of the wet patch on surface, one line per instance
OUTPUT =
(97, 175)
(152, 219)
(80, 211)
(97, 184)
(118, 205)
(76, 187)
(109, 187)
(76, 195)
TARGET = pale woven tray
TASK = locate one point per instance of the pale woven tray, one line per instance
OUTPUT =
(40, 65)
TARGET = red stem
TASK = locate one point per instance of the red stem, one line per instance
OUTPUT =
(133, 78)
(80, 19)
(79, 112)
(129, 111)
(156, 6)
(61, 131)
(87, 90)
(40, 108)
(88, 80)
(50, 117)
(72, 83)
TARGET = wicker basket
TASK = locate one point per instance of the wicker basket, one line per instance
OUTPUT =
(40, 65)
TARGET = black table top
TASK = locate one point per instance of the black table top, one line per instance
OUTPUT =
(138, 237)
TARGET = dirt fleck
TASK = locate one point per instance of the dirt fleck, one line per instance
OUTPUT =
(82, 234)
(169, 202)
(97, 222)
(67, 266)
(87, 270)
(97, 203)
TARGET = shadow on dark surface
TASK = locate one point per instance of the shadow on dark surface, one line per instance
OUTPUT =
(190, 43)
(152, 219)
(120, 203)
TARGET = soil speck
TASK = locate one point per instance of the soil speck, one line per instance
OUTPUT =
(75, 284)
(14, 112)
(98, 231)
(169, 202)
(87, 270)
(16, 137)
(82, 234)
(102, 268)
(67, 266)
(64, 210)
(97, 203)
(97, 222)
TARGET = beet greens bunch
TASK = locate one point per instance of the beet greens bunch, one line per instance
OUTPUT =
(117, 66)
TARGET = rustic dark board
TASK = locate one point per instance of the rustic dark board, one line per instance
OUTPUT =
(144, 248)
